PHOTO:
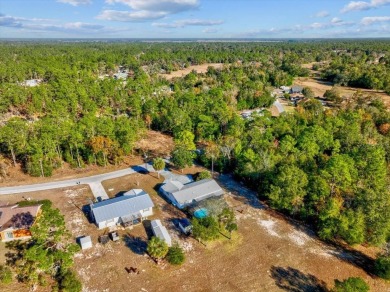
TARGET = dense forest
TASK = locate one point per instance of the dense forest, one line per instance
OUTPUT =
(327, 166)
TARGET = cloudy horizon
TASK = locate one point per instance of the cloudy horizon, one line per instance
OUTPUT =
(194, 19)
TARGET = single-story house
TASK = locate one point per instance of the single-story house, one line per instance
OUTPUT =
(296, 89)
(184, 195)
(285, 89)
(15, 221)
(185, 225)
(161, 232)
(129, 209)
(85, 242)
(31, 82)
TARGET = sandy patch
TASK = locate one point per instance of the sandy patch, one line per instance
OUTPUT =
(269, 226)
(198, 68)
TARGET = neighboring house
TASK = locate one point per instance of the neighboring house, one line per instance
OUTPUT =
(129, 209)
(31, 82)
(296, 89)
(247, 114)
(161, 232)
(285, 89)
(184, 195)
(15, 221)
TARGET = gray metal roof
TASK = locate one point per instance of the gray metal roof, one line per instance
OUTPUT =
(161, 232)
(197, 190)
(121, 206)
(172, 186)
(297, 88)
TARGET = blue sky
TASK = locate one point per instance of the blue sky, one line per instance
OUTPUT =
(194, 18)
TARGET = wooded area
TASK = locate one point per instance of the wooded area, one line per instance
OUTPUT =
(327, 166)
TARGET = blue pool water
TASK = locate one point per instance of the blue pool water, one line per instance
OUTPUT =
(201, 213)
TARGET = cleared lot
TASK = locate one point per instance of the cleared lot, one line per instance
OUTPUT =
(267, 254)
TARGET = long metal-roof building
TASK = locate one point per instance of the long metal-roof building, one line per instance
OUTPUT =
(129, 209)
(185, 195)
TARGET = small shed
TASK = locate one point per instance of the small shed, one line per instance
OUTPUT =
(114, 236)
(161, 232)
(185, 226)
(85, 242)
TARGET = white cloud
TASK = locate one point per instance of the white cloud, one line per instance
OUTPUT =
(75, 2)
(374, 19)
(333, 23)
(322, 14)
(188, 22)
(210, 30)
(34, 24)
(144, 10)
(364, 5)
(128, 16)
(169, 6)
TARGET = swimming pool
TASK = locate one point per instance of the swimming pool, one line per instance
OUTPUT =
(201, 213)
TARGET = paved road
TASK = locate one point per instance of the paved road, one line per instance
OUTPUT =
(93, 181)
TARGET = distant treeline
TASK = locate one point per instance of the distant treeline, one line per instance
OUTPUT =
(329, 167)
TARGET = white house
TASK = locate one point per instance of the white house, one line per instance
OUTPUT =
(31, 82)
(129, 209)
(183, 195)
(161, 232)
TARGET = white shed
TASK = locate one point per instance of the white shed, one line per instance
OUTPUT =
(85, 242)
(161, 232)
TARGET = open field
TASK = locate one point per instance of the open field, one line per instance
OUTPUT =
(268, 253)
(198, 68)
(320, 86)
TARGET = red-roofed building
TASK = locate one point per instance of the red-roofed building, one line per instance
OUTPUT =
(15, 221)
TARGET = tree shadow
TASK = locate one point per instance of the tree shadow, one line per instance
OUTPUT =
(87, 211)
(335, 248)
(290, 279)
(137, 244)
(148, 228)
(353, 257)
(242, 193)
(22, 220)
(16, 251)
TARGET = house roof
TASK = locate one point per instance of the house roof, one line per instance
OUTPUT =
(297, 88)
(17, 217)
(172, 186)
(160, 231)
(197, 190)
(131, 203)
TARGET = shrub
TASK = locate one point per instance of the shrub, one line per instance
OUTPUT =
(203, 175)
(175, 255)
(382, 267)
(5, 275)
(157, 248)
(69, 282)
(353, 284)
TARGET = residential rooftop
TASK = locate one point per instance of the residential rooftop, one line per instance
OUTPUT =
(130, 203)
